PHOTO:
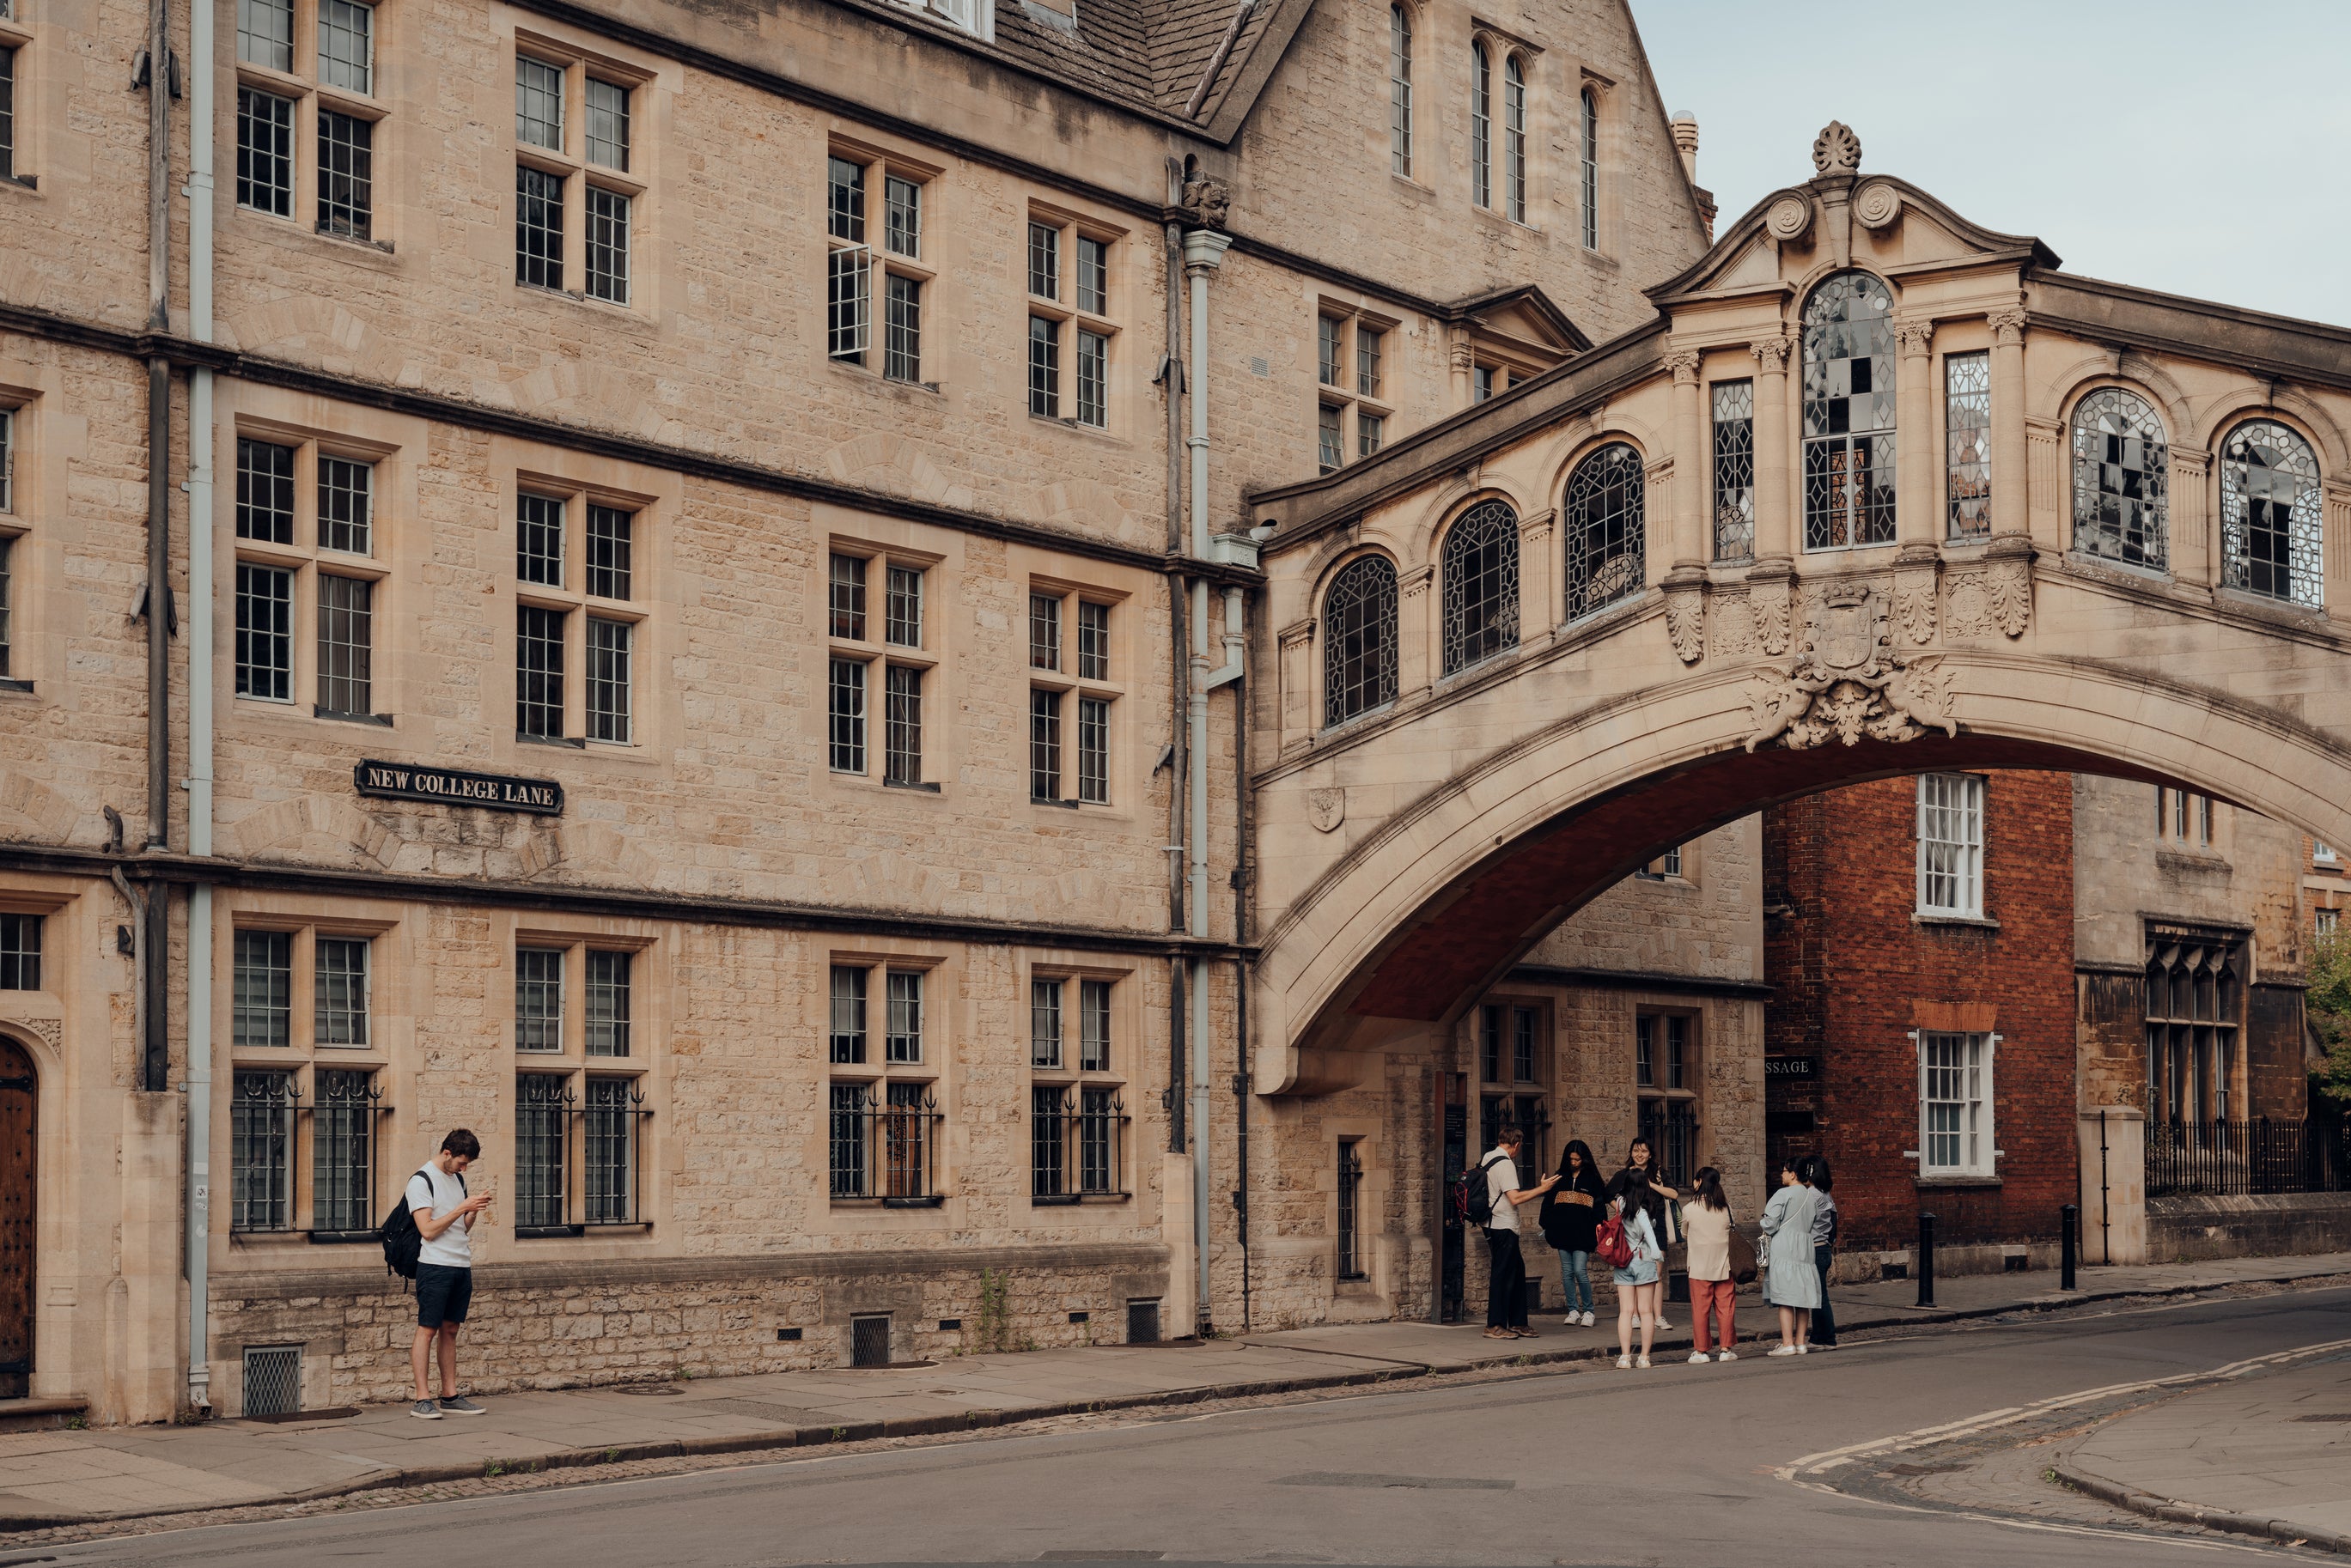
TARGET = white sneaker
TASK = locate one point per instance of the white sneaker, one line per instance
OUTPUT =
(1697, 1357)
(1663, 1326)
(1803, 1350)
(1625, 1362)
(1587, 1320)
(1642, 1361)
(1783, 1350)
(1725, 1355)
(1570, 1321)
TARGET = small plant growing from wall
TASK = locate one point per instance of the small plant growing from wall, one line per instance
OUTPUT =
(995, 1331)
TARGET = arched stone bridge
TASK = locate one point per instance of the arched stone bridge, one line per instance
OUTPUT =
(1878, 491)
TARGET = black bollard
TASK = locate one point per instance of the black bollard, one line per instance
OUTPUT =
(2069, 1231)
(1926, 1260)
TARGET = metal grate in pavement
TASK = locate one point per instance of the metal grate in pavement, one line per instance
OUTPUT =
(868, 1341)
(273, 1379)
(1143, 1323)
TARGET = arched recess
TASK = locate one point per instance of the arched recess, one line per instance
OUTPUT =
(1424, 914)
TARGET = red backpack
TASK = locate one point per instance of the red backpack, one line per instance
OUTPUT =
(1611, 1245)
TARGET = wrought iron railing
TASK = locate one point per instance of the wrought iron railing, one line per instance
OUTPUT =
(885, 1143)
(2228, 1158)
(1076, 1144)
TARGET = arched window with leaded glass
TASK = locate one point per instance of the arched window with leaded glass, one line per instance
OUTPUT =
(2121, 480)
(1848, 413)
(1480, 566)
(1359, 640)
(1606, 498)
(2270, 529)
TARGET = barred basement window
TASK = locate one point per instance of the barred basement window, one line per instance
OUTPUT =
(1950, 844)
(1734, 471)
(611, 647)
(1359, 641)
(339, 991)
(2121, 480)
(346, 175)
(542, 1105)
(538, 672)
(609, 1133)
(1848, 381)
(1045, 746)
(265, 632)
(608, 245)
(538, 998)
(607, 1003)
(1480, 566)
(847, 715)
(538, 228)
(265, 152)
(849, 1015)
(20, 953)
(261, 1151)
(1606, 553)
(901, 734)
(1967, 430)
(342, 1150)
(2271, 533)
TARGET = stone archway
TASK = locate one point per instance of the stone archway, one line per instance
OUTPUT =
(19, 1111)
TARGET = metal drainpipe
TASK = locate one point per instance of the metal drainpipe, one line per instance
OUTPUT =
(200, 707)
(1203, 252)
(1177, 662)
(1237, 657)
(155, 1042)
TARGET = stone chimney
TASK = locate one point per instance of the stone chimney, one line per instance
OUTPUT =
(1685, 142)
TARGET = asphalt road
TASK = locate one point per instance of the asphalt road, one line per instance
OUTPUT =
(1675, 1466)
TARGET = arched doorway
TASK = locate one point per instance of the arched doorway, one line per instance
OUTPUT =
(18, 1106)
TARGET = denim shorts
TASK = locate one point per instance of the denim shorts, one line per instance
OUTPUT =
(443, 1294)
(1640, 1271)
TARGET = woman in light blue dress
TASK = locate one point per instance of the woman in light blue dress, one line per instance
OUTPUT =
(1791, 1284)
(1637, 1205)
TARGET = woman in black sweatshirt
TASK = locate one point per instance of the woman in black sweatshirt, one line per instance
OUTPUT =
(1570, 1216)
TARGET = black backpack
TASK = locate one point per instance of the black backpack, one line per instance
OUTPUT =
(402, 1241)
(1477, 1195)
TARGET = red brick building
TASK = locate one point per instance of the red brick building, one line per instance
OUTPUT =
(1919, 943)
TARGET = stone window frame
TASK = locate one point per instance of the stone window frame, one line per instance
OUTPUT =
(1065, 679)
(878, 655)
(1071, 320)
(876, 1073)
(1071, 1079)
(860, 261)
(1366, 410)
(301, 1059)
(570, 600)
(575, 1066)
(2195, 1006)
(308, 560)
(571, 164)
(1662, 1101)
(1490, 1054)
(2186, 817)
(305, 86)
(1401, 35)
(16, 43)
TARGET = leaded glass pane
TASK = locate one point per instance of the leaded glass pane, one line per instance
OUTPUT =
(1848, 379)
(2121, 480)
(1481, 585)
(1734, 471)
(2270, 528)
(1606, 554)
(1967, 434)
(1359, 640)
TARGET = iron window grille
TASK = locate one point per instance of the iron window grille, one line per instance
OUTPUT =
(2260, 1156)
(885, 1144)
(1955, 1103)
(611, 1129)
(265, 152)
(1143, 1321)
(609, 977)
(902, 725)
(846, 707)
(1359, 641)
(1399, 91)
(1045, 746)
(2270, 532)
(869, 1340)
(1734, 471)
(1606, 548)
(261, 1150)
(265, 631)
(344, 1143)
(539, 671)
(1849, 410)
(346, 174)
(1950, 844)
(261, 988)
(543, 1104)
(2121, 480)
(273, 1380)
(1480, 562)
(1351, 1185)
(848, 1030)
(1077, 1142)
(1514, 139)
(1481, 126)
(20, 953)
(339, 991)
(1967, 439)
(1588, 168)
(2194, 1009)
(538, 228)
(538, 998)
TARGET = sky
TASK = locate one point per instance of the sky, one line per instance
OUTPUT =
(2201, 148)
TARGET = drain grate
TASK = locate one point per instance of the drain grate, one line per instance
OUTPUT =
(649, 1389)
(1143, 1323)
(868, 1341)
(273, 1379)
(2327, 1416)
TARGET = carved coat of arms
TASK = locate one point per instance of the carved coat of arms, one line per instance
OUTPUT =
(1847, 683)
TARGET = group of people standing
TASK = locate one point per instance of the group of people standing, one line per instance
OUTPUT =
(1634, 1210)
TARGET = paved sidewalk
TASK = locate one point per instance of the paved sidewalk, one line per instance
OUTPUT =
(60, 1477)
(2270, 1458)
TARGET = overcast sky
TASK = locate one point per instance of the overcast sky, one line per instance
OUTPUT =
(2190, 146)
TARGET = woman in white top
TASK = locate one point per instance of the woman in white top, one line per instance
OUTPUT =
(1638, 1279)
(1714, 1299)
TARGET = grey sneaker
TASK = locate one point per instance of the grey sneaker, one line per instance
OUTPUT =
(425, 1410)
(461, 1408)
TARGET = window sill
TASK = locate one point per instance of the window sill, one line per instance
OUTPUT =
(339, 1238)
(547, 1232)
(382, 245)
(918, 788)
(575, 743)
(1071, 1199)
(1978, 922)
(1960, 1183)
(1061, 805)
(10, 683)
(930, 1200)
(21, 181)
(383, 720)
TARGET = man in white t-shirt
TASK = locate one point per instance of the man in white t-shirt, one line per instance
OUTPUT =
(444, 1213)
(1506, 1282)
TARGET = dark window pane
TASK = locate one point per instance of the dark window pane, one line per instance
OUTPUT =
(1481, 562)
(346, 645)
(1359, 640)
(265, 492)
(346, 175)
(538, 228)
(539, 671)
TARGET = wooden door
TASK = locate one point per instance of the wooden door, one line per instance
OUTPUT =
(17, 1106)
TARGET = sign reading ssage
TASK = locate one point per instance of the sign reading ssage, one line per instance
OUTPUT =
(451, 786)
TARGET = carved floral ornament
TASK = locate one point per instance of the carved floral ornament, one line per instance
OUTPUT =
(1837, 150)
(1846, 682)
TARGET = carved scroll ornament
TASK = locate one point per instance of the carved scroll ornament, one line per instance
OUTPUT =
(1847, 683)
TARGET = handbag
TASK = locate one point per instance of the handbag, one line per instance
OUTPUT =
(1742, 1257)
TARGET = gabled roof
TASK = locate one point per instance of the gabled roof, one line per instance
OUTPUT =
(1523, 311)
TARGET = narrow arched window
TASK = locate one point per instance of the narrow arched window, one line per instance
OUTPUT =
(1591, 171)
(1359, 640)
(1848, 413)
(2270, 529)
(1514, 139)
(1606, 500)
(2121, 479)
(1400, 91)
(1480, 562)
(1481, 126)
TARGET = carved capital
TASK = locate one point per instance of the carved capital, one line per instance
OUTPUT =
(1536, 526)
(1768, 594)
(1297, 631)
(1686, 620)
(1684, 363)
(2007, 328)
(1416, 582)
(1771, 354)
(1914, 337)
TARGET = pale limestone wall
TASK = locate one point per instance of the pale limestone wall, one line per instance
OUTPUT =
(2247, 876)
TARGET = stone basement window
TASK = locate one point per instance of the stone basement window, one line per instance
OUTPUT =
(881, 640)
(1354, 385)
(873, 234)
(1077, 1094)
(578, 1086)
(579, 173)
(578, 625)
(1072, 329)
(301, 1029)
(884, 1120)
(310, 586)
(1072, 697)
(306, 77)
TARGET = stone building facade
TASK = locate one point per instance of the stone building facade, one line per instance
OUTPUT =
(627, 578)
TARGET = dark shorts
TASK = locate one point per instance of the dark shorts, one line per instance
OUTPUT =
(443, 1294)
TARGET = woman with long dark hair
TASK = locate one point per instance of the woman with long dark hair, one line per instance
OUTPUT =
(1641, 1158)
(1825, 1234)
(1571, 1216)
(1714, 1299)
(1644, 1274)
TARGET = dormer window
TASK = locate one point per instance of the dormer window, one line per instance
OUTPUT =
(967, 15)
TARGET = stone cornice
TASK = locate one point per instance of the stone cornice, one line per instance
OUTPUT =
(2265, 346)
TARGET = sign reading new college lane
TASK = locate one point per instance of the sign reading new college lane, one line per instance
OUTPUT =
(451, 786)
